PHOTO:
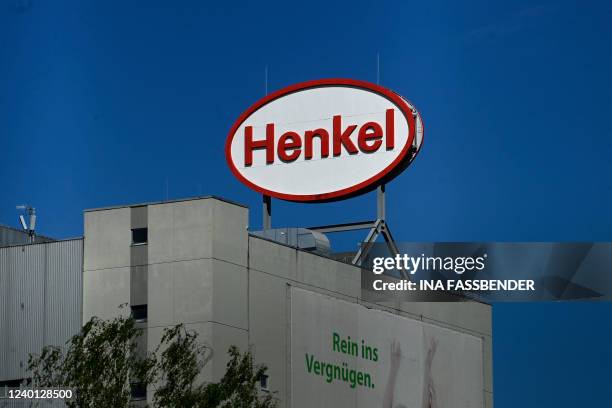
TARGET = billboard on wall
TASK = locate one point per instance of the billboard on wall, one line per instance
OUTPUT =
(346, 355)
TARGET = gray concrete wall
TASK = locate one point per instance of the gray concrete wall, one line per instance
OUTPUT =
(204, 270)
(273, 267)
(106, 267)
(197, 273)
(195, 262)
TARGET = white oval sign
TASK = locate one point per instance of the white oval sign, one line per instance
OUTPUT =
(324, 140)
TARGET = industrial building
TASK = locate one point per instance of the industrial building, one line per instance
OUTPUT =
(194, 261)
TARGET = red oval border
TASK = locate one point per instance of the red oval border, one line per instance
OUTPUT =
(338, 194)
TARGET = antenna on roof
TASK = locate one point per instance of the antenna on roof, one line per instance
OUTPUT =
(29, 211)
(23, 223)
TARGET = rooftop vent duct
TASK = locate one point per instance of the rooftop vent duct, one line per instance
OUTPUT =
(300, 238)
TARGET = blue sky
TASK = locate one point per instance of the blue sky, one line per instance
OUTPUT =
(103, 103)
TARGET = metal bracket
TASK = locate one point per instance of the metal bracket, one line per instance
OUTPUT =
(377, 227)
(351, 226)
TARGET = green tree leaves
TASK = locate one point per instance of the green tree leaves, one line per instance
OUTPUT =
(96, 363)
(102, 361)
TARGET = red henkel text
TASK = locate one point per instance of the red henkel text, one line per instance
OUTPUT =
(291, 145)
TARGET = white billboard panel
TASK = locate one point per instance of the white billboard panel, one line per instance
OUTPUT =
(324, 140)
(346, 355)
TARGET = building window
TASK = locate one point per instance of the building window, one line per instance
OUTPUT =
(139, 236)
(11, 383)
(6, 385)
(263, 382)
(139, 313)
(138, 391)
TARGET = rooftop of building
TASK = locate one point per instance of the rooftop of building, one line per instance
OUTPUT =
(178, 200)
(11, 236)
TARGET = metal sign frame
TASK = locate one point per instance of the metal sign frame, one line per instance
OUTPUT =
(376, 227)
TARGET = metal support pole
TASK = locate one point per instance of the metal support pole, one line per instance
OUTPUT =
(367, 243)
(376, 228)
(267, 212)
(380, 202)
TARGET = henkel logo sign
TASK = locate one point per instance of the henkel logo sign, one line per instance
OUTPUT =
(324, 140)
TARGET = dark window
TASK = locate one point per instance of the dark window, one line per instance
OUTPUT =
(138, 391)
(139, 313)
(11, 383)
(263, 382)
(139, 236)
(5, 385)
